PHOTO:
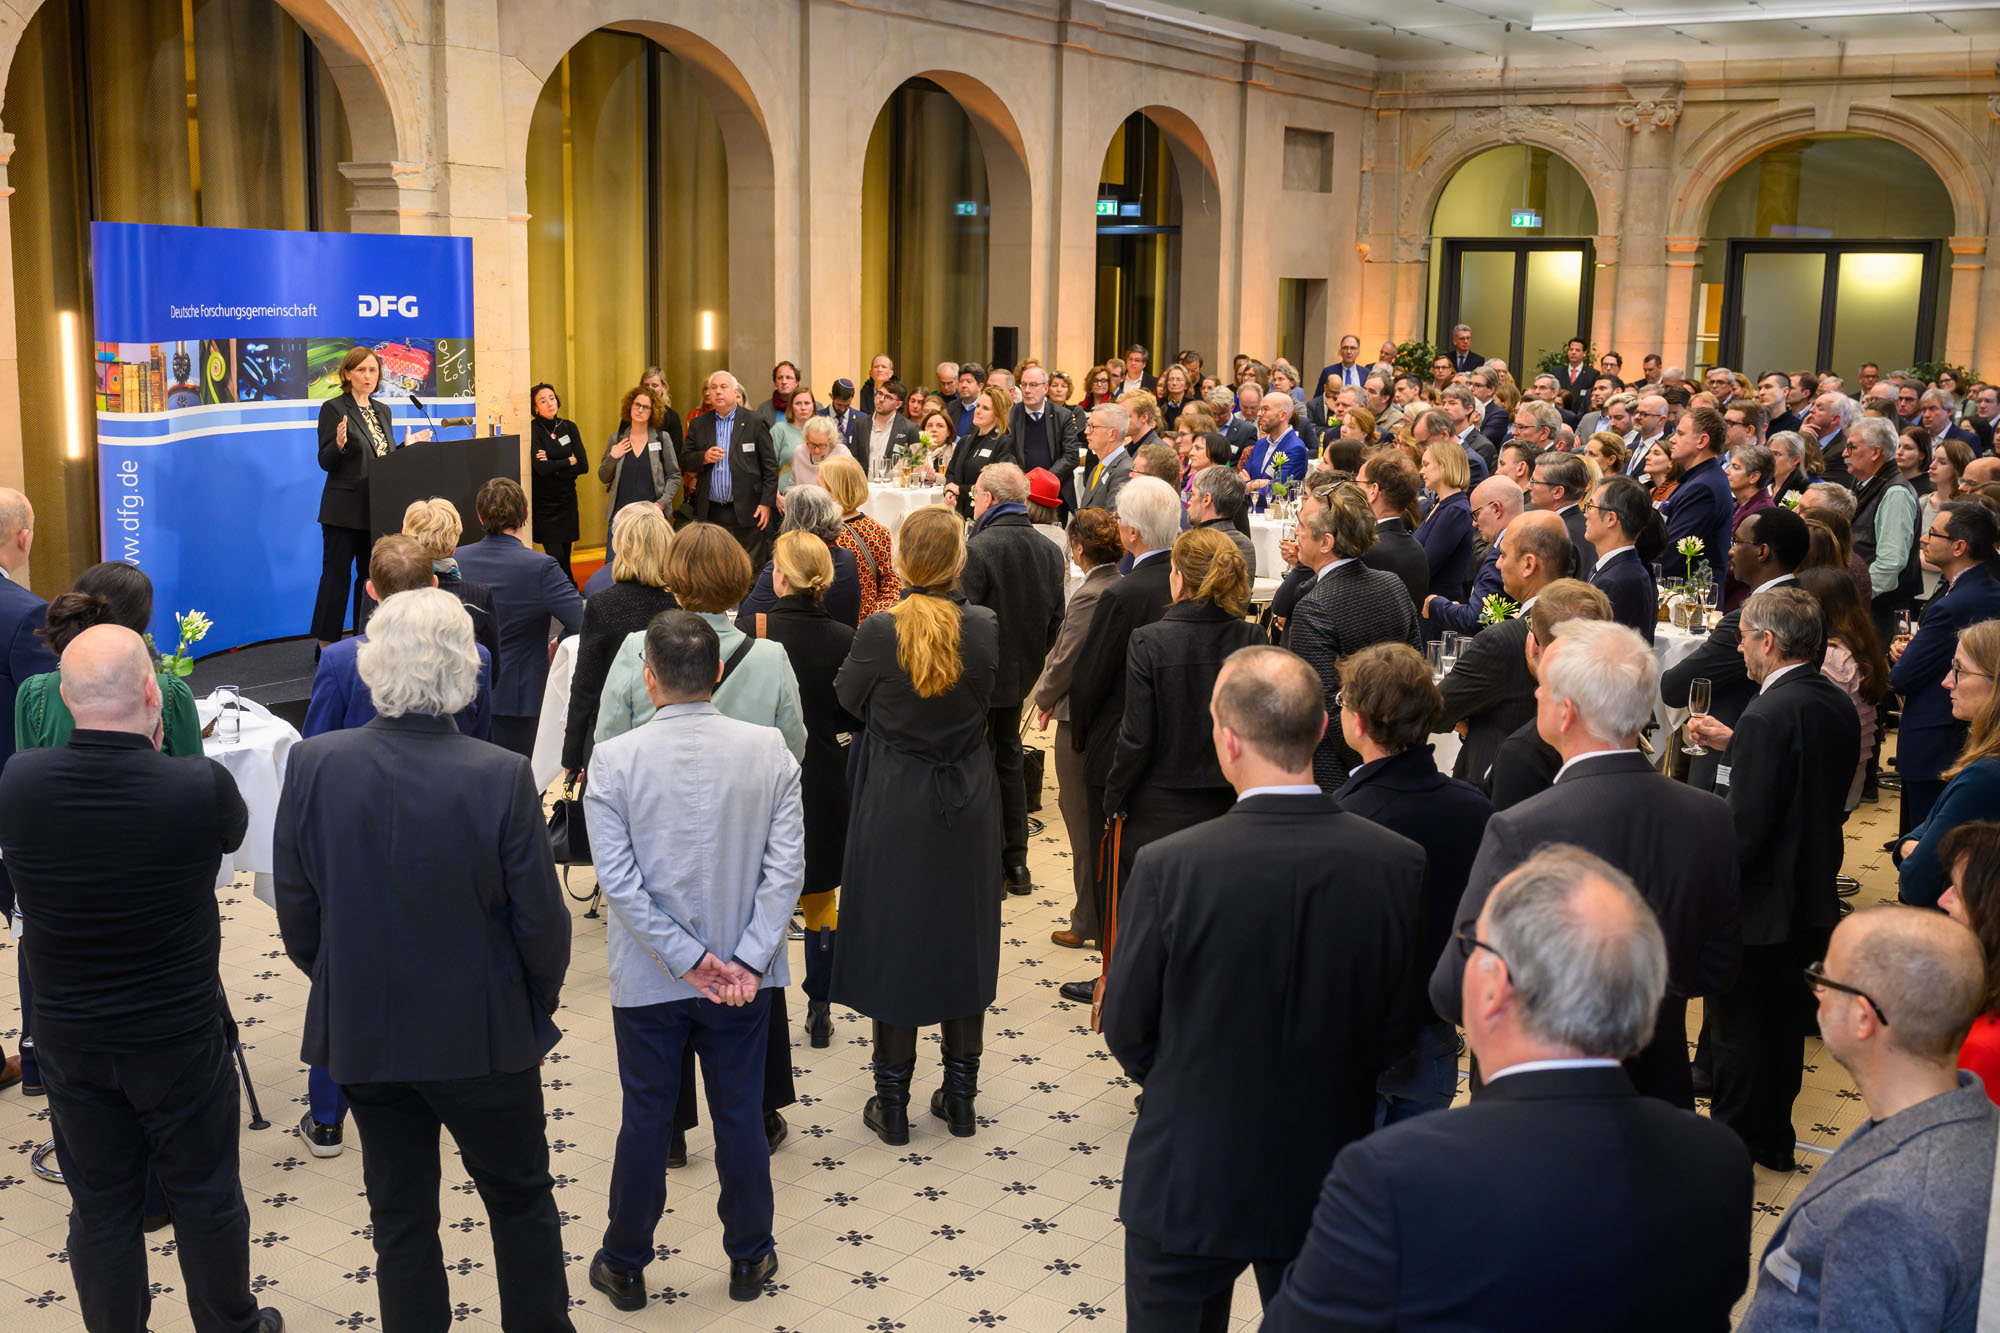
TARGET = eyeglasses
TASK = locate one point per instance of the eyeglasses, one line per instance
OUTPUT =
(1468, 940)
(1956, 672)
(1817, 980)
(1589, 506)
(1934, 535)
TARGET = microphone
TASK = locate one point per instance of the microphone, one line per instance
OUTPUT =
(418, 403)
(449, 422)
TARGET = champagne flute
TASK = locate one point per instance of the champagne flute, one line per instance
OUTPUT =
(1698, 689)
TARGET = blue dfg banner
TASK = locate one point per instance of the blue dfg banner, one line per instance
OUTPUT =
(215, 351)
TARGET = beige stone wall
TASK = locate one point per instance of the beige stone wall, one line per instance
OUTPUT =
(439, 95)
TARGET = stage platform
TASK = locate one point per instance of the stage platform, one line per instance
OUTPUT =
(277, 674)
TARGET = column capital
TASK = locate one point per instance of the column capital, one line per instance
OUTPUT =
(1993, 105)
(1650, 114)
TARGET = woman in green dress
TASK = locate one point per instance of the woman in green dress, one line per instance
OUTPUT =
(111, 593)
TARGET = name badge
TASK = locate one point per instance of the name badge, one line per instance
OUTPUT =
(1722, 780)
(749, 446)
(984, 453)
(563, 440)
(654, 445)
(1783, 1267)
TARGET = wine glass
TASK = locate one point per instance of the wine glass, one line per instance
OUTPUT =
(1904, 628)
(1432, 655)
(1698, 690)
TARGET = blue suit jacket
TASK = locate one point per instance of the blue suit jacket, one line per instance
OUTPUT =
(340, 701)
(1701, 507)
(528, 588)
(26, 652)
(1629, 585)
(1930, 737)
(1284, 461)
(1463, 617)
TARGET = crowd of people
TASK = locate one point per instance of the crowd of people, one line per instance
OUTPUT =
(1303, 924)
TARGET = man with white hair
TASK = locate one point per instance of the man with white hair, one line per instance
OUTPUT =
(1649, 425)
(1826, 424)
(1566, 971)
(113, 848)
(1599, 683)
(407, 810)
(1110, 462)
(1149, 519)
(736, 467)
(1938, 411)
(1886, 516)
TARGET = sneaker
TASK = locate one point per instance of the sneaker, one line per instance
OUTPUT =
(321, 1140)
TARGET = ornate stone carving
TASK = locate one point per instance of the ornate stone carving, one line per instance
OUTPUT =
(1649, 115)
(1993, 105)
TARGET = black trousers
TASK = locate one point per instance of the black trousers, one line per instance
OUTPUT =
(501, 1133)
(1660, 1069)
(1003, 738)
(1184, 1293)
(177, 1105)
(1754, 1033)
(754, 540)
(342, 549)
(559, 552)
(515, 733)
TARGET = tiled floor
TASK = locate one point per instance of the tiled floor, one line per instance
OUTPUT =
(1014, 1228)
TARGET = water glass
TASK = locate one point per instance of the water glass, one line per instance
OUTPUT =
(229, 721)
(1432, 655)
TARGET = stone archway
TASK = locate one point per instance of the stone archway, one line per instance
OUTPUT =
(1200, 275)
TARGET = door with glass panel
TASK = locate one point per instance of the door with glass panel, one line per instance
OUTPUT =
(1521, 298)
(1820, 304)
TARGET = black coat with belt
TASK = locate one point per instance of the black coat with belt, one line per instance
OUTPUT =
(974, 453)
(1492, 691)
(1348, 608)
(436, 945)
(1602, 1184)
(1170, 673)
(1790, 765)
(556, 459)
(1018, 574)
(343, 502)
(752, 461)
(610, 616)
(1256, 1010)
(1097, 686)
(817, 645)
(920, 886)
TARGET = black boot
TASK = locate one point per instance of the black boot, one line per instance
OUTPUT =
(888, 1111)
(952, 1103)
(819, 973)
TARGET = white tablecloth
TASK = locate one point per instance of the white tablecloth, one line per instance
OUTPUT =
(1264, 536)
(546, 762)
(257, 762)
(890, 505)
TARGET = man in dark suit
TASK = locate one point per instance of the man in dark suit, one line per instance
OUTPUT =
(1109, 464)
(1463, 358)
(1491, 689)
(1047, 435)
(878, 439)
(1770, 545)
(1559, 483)
(1618, 514)
(1939, 415)
(739, 494)
(1018, 574)
(1348, 607)
(1791, 759)
(1387, 705)
(21, 614)
(1599, 681)
(1346, 373)
(114, 848)
(1575, 373)
(1241, 429)
(1959, 542)
(1985, 415)
(529, 589)
(784, 383)
(1526, 765)
(1494, 423)
(1701, 506)
(1390, 482)
(1147, 525)
(391, 1008)
(1254, 1076)
(1566, 972)
(1135, 372)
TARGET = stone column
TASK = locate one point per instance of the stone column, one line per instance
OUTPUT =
(1641, 276)
(1677, 315)
(1968, 273)
(13, 468)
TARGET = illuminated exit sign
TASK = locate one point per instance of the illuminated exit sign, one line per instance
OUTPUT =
(1527, 218)
(1107, 208)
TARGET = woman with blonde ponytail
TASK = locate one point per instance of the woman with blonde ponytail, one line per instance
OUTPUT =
(1164, 774)
(920, 889)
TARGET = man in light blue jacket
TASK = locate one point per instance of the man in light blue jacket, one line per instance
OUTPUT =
(699, 840)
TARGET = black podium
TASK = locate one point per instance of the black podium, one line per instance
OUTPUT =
(451, 469)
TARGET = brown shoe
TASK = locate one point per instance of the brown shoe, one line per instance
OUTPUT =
(10, 1073)
(1069, 939)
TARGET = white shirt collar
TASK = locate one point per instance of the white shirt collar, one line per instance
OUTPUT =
(1568, 764)
(1283, 789)
(1613, 554)
(1139, 560)
(1526, 607)
(1538, 1066)
(1777, 676)
(1769, 583)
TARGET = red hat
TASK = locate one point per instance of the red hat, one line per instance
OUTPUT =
(1044, 489)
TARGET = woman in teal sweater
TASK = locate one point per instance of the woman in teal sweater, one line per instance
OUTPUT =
(111, 593)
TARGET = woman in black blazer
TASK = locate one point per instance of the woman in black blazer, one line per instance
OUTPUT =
(638, 592)
(989, 443)
(354, 430)
(817, 644)
(558, 461)
(1164, 774)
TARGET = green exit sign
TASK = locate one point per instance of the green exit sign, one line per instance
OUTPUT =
(1527, 218)
(1107, 208)
(967, 208)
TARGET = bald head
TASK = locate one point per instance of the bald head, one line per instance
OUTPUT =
(1545, 537)
(1921, 968)
(17, 529)
(1496, 502)
(1982, 470)
(108, 681)
(1273, 702)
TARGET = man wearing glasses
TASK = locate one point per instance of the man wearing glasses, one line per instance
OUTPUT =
(1649, 420)
(1959, 543)
(1792, 755)
(1909, 1190)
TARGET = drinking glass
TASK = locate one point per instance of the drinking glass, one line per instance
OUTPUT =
(229, 721)
(1432, 656)
(1904, 628)
(1698, 689)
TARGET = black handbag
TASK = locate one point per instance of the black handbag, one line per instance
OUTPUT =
(569, 839)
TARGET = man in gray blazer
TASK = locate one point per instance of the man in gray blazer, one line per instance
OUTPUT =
(1110, 465)
(699, 840)
(1891, 1232)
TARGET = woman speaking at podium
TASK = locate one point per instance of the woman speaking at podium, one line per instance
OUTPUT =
(354, 430)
